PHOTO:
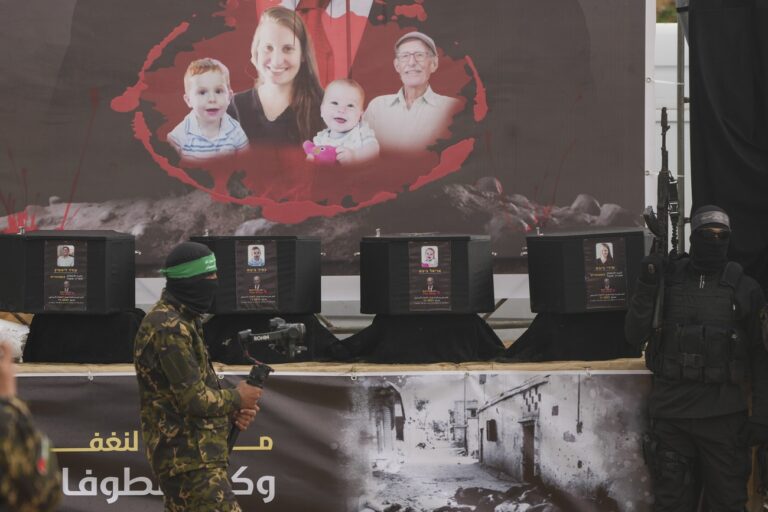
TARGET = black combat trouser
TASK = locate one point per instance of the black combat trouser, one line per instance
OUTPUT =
(688, 455)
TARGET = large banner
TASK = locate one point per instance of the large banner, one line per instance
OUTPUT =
(507, 117)
(362, 442)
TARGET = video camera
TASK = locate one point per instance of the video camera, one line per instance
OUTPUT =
(284, 338)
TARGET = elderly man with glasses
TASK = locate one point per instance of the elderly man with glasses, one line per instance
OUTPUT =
(415, 117)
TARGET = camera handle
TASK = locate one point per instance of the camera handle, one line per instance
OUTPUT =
(257, 377)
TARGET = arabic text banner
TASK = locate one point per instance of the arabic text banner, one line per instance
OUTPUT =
(347, 443)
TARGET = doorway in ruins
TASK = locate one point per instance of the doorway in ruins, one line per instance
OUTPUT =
(529, 435)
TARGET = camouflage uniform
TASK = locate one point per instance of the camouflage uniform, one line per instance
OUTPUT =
(185, 415)
(29, 476)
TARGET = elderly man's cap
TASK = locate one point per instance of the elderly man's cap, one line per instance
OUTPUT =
(710, 215)
(424, 38)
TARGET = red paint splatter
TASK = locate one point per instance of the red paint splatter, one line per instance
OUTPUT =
(289, 212)
(481, 103)
(141, 130)
(17, 220)
(300, 211)
(94, 96)
(230, 6)
(450, 160)
(411, 11)
(129, 100)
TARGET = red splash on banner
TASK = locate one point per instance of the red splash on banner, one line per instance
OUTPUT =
(17, 220)
(129, 100)
(299, 211)
(286, 210)
(451, 159)
(94, 97)
(412, 11)
(229, 7)
(142, 133)
(481, 103)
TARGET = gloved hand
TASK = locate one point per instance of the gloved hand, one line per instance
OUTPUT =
(754, 433)
(651, 269)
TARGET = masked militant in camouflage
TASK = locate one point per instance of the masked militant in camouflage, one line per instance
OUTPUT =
(185, 414)
(29, 477)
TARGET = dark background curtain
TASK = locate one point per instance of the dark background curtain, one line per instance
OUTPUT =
(729, 121)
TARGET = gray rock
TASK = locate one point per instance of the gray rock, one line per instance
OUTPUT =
(489, 185)
(585, 203)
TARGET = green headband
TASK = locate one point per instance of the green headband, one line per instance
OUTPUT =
(204, 265)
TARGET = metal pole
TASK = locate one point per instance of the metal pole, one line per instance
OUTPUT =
(681, 101)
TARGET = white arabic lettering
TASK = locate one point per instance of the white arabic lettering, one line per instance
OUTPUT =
(109, 486)
(236, 479)
(266, 487)
(112, 488)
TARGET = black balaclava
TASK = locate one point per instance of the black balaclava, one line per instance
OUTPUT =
(186, 269)
(709, 255)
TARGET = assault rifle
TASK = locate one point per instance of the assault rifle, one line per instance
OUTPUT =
(668, 212)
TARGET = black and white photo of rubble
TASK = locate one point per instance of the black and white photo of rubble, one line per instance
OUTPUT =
(503, 442)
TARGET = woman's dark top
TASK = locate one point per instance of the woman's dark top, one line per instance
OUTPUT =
(247, 109)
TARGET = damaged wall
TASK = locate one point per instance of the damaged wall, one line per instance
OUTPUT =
(584, 438)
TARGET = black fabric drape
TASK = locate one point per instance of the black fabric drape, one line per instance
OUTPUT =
(729, 121)
(75, 338)
(594, 336)
(425, 339)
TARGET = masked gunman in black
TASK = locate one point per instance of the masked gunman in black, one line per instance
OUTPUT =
(708, 348)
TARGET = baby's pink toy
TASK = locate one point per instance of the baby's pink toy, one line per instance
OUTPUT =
(322, 154)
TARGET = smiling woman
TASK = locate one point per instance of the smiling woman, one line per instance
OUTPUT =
(284, 105)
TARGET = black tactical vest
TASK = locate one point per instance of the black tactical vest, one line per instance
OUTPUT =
(701, 338)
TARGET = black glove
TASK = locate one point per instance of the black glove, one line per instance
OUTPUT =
(754, 433)
(651, 269)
